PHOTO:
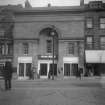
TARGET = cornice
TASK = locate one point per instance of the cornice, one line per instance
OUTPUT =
(49, 10)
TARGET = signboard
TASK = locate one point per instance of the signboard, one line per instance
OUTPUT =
(70, 59)
(95, 56)
(24, 59)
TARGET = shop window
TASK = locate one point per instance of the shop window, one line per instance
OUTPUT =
(89, 23)
(102, 23)
(102, 43)
(25, 48)
(49, 46)
(9, 49)
(89, 42)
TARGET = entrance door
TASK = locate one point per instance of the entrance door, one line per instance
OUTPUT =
(74, 69)
(21, 69)
(43, 69)
(28, 70)
(66, 69)
(55, 69)
(24, 70)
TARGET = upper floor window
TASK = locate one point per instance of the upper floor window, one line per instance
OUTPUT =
(49, 46)
(102, 23)
(9, 49)
(25, 48)
(102, 42)
(89, 23)
(2, 49)
(89, 42)
(70, 48)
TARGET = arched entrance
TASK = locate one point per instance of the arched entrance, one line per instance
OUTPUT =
(48, 52)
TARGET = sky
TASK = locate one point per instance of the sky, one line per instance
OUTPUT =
(42, 3)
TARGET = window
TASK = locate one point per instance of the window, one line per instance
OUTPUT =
(9, 49)
(25, 48)
(89, 42)
(70, 48)
(102, 42)
(2, 49)
(102, 23)
(49, 46)
(89, 23)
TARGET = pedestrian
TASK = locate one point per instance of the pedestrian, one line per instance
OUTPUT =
(80, 72)
(49, 74)
(7, 75)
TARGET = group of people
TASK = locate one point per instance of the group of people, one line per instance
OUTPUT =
(79, 73)
(33, 73)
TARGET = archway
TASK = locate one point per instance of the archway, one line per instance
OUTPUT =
(48, 39)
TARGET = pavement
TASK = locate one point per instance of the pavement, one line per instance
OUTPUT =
(88, 91)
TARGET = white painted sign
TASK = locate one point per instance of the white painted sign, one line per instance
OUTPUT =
(95, 56)
(70, 59)
(24, 59)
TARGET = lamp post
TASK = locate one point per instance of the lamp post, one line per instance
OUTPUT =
(53, 34)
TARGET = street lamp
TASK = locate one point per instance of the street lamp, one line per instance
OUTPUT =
(53, 34)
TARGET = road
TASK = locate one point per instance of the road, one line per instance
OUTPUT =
(54, 92)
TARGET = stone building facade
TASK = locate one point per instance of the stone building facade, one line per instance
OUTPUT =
(59, 37)
(34, 28)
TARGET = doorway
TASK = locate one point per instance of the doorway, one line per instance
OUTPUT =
(24, 70)
(43, 69)
(55, 69)
(70, 69)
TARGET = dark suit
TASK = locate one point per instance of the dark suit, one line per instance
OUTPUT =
(8, 75)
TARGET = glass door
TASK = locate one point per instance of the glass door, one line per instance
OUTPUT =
(28, 69)
(21, 69)
(55, 69)
(43, 69)
(74, 69)
(66, 69)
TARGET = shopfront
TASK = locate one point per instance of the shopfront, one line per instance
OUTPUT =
(24, 67)
(70, 66)
(95, 62)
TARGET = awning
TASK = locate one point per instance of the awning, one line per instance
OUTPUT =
(95, 56)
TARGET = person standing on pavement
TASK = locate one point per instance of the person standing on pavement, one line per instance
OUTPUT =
(8, 75)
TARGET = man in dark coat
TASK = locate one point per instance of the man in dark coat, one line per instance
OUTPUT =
(8, 75)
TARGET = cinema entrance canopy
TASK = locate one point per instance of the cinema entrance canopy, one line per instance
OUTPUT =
(95, 56)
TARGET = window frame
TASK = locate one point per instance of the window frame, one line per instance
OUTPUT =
(101, 23)
(101, 43)
(90, 43)
(49, 46)
(70, 47)
(2, 47)
(25, 48)
(86, 22)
